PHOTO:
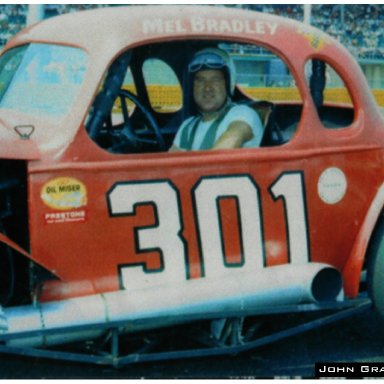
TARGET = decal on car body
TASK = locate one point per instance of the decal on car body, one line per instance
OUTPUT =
(332, 185)
(64, 193)
(166, 235)
(66, 197)
(200, 24)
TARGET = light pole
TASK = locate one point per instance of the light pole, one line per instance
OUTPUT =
(307, 13)
(35, 13)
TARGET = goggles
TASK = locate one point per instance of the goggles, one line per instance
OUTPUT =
(206, 60)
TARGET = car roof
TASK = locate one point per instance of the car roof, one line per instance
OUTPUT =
(107, 32)
(116, 27)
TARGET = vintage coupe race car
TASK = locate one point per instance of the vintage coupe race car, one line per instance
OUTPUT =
(106, 236)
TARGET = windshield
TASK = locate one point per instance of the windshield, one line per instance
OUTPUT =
(41, 79)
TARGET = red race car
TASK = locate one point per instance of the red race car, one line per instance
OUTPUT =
(107, 235)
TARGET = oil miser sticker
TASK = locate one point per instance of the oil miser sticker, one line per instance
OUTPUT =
(64, 193)
(67, 197)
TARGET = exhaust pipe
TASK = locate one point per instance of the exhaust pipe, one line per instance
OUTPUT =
(162, 306)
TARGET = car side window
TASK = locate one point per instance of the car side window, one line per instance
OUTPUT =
(164, 89)
(328, 88)
(148, 93)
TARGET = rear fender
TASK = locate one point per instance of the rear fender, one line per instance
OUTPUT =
(352, 269)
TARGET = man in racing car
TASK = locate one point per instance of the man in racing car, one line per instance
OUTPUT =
(219, 124)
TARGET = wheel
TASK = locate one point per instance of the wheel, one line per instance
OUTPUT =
(375, 270)
(132, 138)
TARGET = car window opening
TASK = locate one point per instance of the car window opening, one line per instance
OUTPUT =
(328, 89)
(147, 94)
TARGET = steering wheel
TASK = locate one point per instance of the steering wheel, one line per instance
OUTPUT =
(132, 138)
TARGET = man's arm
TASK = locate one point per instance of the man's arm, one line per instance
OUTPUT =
(235, 136)
(175, 148)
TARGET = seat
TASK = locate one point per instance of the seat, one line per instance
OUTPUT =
(272, 133)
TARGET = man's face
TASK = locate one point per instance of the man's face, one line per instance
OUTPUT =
(209, 90)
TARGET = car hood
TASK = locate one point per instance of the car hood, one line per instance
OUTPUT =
(18, 138)
(31, 137)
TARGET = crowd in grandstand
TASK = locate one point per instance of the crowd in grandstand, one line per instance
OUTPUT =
(13, 18)
(359, 27)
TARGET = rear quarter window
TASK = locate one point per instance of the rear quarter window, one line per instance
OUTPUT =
(330, 95)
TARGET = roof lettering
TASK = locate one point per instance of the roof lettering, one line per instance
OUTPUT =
(209, 25)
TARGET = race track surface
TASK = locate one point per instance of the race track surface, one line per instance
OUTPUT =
(359, 339)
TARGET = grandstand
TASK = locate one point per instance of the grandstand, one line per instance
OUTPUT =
(357, 26)
(12, 19)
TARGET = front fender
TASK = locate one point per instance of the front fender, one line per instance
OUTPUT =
(352, 269)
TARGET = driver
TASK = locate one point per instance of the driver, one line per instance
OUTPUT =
(219, 124)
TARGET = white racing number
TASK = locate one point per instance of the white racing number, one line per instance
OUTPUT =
(290, 188)
(165, 235)
(207, 194)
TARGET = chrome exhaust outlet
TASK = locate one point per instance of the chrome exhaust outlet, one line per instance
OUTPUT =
(171, 304)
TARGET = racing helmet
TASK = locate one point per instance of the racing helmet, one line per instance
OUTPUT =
(215, 58)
